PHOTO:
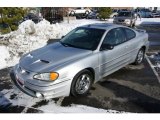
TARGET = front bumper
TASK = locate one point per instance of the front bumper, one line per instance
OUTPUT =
(50, 91)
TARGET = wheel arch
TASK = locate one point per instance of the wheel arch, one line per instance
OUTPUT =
(92, 71)
(144, 48)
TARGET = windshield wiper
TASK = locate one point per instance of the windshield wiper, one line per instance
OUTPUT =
(66, 44)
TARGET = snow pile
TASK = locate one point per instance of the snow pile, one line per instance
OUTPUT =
(16, 97)
(51, 107)
(4, 55)
(148, 21)
(156, 64)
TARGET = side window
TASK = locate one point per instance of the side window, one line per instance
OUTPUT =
(130, 33)
(114, 37)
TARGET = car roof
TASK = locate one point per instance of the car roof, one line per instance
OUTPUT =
(104, 26)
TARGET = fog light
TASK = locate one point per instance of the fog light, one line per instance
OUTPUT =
(38, 95)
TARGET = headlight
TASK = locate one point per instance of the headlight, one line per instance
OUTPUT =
(127, 20)
(46, 76)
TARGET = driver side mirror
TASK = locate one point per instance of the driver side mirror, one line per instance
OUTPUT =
(106, 47)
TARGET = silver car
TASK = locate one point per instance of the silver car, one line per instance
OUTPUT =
(84, 56)
(126, 18)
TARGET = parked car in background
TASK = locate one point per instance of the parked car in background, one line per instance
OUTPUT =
(114, 13)
(80, 10)
(126, 18)
(155, 14)
(82, 57)
(92, 15)
(33, 17)
(143, 13)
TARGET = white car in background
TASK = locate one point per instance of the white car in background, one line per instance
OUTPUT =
(114, 13)
(80, 10)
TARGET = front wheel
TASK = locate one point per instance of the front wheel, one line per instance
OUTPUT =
(81, 83)
(140, 57)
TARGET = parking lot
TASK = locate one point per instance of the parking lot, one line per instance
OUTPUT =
(131, 89)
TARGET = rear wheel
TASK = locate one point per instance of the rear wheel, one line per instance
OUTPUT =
(140, 57)
(81, 83)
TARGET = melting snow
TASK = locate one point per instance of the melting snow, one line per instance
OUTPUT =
(16, 97)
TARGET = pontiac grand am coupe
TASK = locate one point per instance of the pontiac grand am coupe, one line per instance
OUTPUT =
(82, 57)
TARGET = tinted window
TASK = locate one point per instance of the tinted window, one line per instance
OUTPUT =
(124, 14)
(129, 33)
(84, 38)
(114, 37)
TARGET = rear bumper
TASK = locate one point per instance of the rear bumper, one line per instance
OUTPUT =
(51, 91)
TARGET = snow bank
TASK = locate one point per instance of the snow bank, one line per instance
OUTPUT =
(4, 55)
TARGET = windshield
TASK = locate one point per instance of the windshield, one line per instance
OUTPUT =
(124, 14)
(84, 38)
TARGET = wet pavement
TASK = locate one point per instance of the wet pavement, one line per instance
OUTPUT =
(131, 89)
(154, 36)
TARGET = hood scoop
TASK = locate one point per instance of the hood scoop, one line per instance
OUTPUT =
(45, 61)
(40, 61)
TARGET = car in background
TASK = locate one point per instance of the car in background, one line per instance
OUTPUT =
(92, 15)
(126, 18)
(114, 13)
(84, 56)
(143, 13)
(155, 14)
(80, 10)
(33, 17)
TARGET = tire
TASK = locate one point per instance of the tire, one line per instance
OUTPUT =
(80, 87)
(140, 57)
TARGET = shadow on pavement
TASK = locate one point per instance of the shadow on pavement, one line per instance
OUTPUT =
(139, 100)
(141, 74)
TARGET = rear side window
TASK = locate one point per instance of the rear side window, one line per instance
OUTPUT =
(130, 34)
(114, 37)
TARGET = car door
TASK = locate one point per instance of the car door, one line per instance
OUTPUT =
(118, 57)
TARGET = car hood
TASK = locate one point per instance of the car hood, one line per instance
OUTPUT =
(51, 56)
